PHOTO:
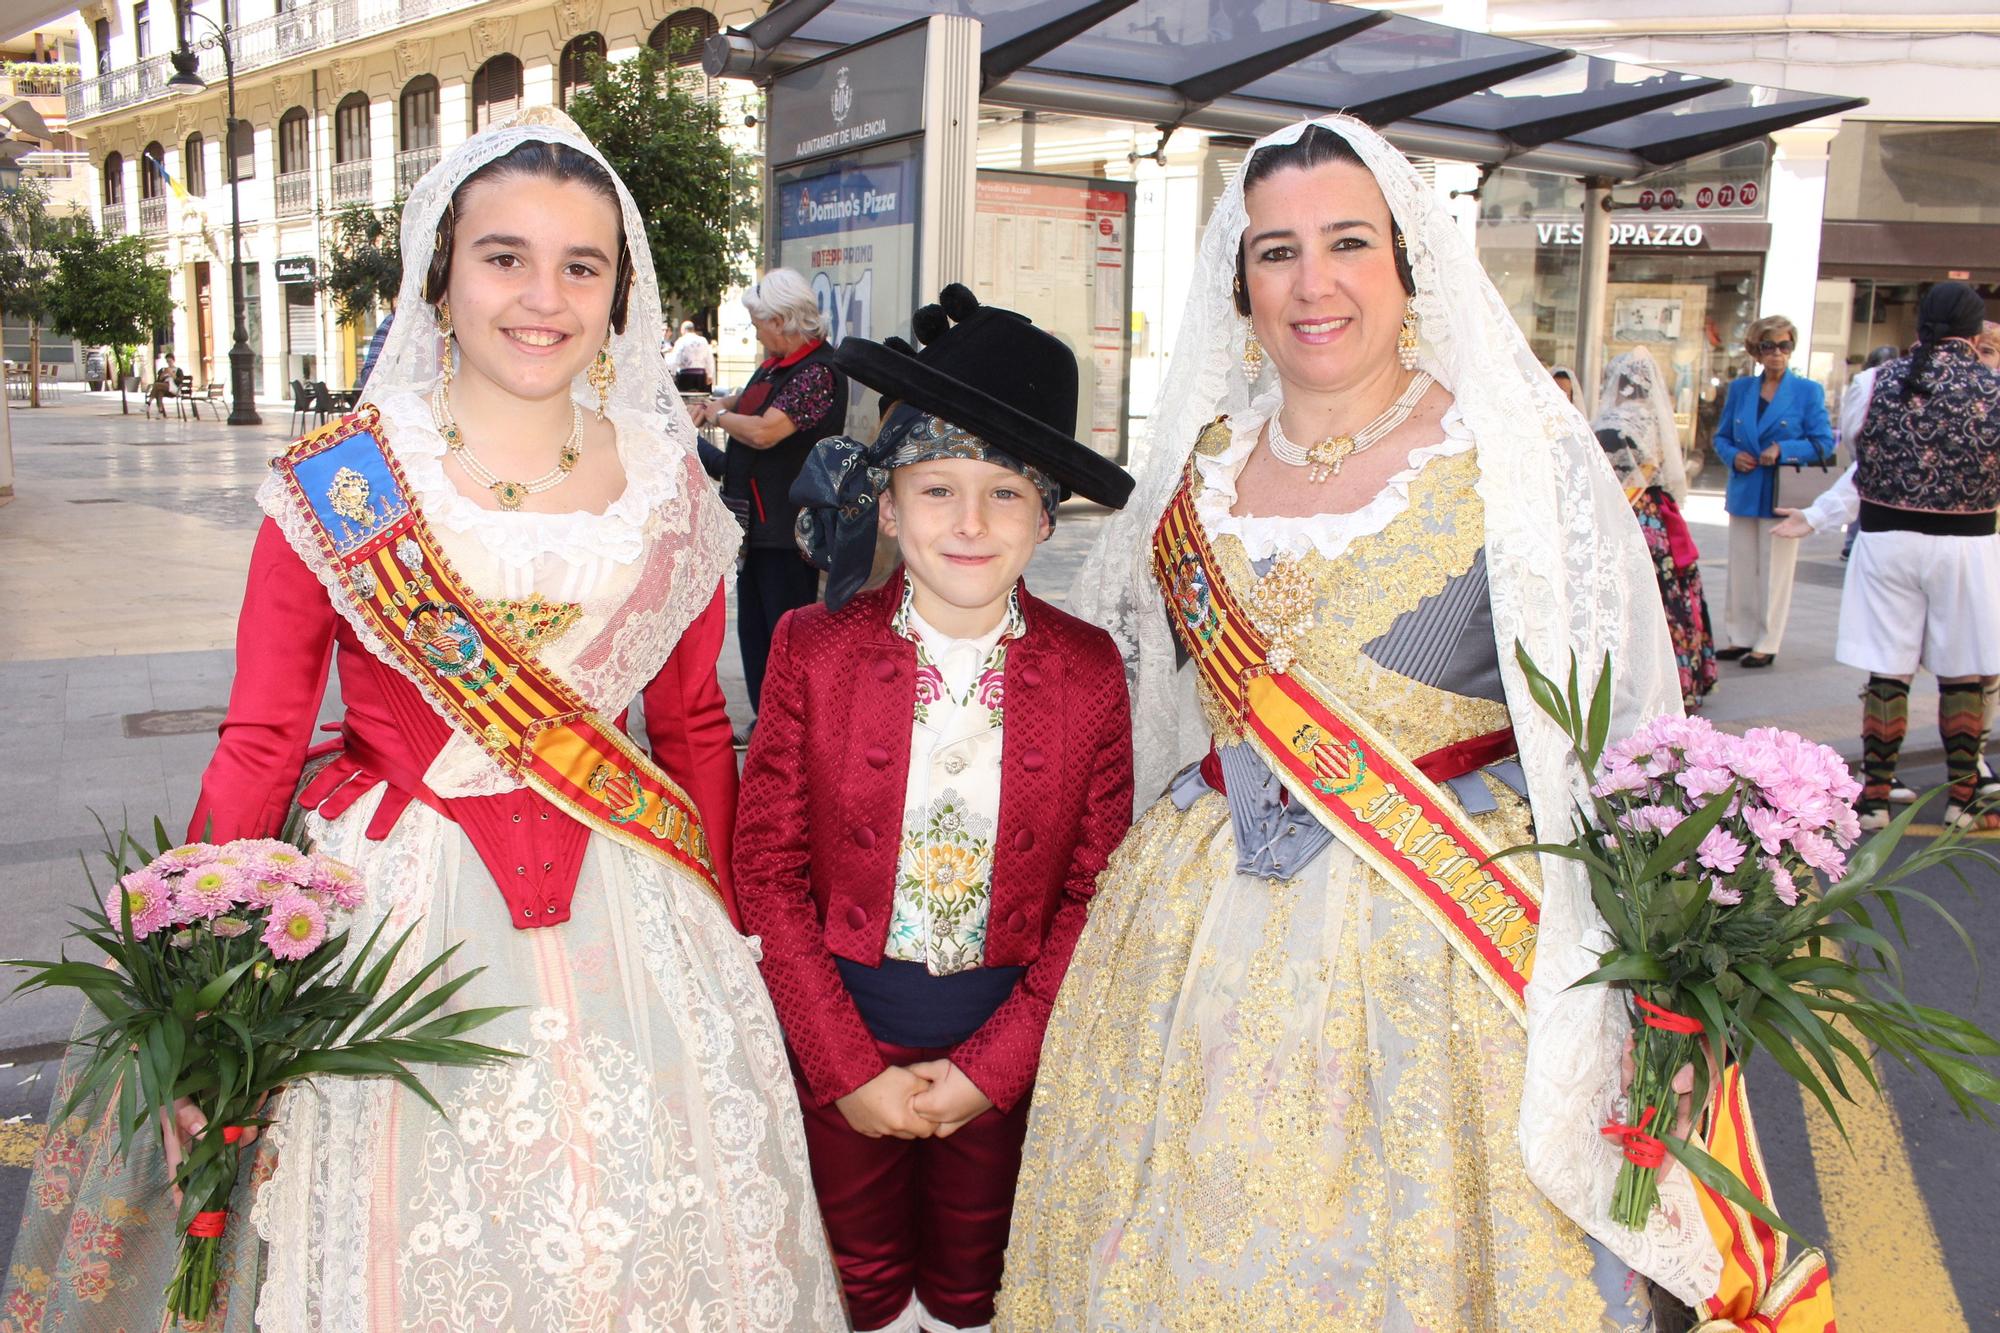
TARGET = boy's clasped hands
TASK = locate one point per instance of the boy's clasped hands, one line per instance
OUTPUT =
(931, 1097)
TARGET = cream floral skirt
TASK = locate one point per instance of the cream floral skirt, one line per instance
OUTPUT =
(1283, 1105)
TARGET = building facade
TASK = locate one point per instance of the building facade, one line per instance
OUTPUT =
(37, 67)
(339, 103)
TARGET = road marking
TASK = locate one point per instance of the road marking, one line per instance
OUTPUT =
(19, 1141)
(1887, 1262)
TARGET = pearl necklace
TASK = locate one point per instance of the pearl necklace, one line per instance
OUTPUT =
(510, 494)
(1328, 456)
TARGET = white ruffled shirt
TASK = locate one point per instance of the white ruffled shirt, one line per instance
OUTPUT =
(1265, 536)
(951, 800)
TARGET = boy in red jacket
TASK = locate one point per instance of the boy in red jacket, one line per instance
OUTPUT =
(940, 769)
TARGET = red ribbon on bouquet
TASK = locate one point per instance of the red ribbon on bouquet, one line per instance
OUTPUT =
(208, 1226)
(1666, 1020)
(1641, 1149)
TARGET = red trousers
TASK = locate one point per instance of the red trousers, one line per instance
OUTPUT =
(927, 1217)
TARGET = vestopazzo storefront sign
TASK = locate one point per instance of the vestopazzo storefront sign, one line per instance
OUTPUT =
(1687, 235)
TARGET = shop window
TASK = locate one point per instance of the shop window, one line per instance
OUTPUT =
(496, 91)
(574, 68)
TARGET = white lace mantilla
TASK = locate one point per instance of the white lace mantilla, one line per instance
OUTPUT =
(1267, 535)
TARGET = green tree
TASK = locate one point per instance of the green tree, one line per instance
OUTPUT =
(108, 290)
(26, 233)
(696, 194)
(364, 260)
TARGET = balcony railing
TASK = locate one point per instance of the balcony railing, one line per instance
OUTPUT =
(55, 165)
(30, 78)
(314, 26)
(115, 220)
(353, 182)
(295, 194)
(411, 164)
(153, 215)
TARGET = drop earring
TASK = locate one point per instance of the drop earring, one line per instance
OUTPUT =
(1253, 357)
(603, 375)
(1406, 340)
(444, 337)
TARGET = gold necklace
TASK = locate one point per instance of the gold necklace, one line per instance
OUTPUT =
(1328, 456)
(510, 494)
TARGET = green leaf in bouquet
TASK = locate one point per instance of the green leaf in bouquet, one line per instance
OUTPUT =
(430, 1002)
(1574, 701)
(1869, 859)
(1959, 1034)
(1624, 966)
(1967, 1084)
(1679, 845)
(1540, 688)
(1725, 1182)
(461, 1020)
(388, 1008)
(1792, 1063)
(1617, 913)
(1599, 729)
(1675, 911)
(211, 995)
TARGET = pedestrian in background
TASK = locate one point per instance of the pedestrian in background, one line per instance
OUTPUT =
(1635, 425)
(692, 361)
(797, 398)
(1920, 588)
(1772, 417)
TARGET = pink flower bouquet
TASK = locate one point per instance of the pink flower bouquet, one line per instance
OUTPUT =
(223, 987)
(1726, 870)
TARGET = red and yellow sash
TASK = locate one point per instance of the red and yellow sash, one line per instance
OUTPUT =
(1359, 785)
(488, 685)
(1384, 810)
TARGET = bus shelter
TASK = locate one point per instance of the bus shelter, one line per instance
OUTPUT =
(874, 106)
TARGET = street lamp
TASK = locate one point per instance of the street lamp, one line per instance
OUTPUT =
(243, 409)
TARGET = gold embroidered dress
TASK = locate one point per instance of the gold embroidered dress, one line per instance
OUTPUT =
(1286, 1102)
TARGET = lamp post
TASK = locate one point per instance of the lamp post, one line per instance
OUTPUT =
(243, 408)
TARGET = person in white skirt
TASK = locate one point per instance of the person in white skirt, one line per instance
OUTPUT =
(1920, 584)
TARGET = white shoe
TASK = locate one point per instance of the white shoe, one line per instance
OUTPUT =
(1873, 820)
(1958, 817)
(1900, 794)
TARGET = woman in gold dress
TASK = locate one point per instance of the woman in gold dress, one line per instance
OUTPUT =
(1292, 1081)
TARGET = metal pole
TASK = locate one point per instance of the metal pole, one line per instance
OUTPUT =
(1593, 281)
(243, 411)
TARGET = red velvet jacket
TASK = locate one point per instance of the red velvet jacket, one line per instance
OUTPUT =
(285, 638)
(822, 813)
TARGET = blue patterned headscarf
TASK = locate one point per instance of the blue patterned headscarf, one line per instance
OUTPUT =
(837, 489)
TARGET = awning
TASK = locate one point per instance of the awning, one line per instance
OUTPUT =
(1251, 66)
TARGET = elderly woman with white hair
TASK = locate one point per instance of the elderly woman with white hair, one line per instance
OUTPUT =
(797, 398)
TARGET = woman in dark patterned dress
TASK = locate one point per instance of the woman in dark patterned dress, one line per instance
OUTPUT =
(1635, 424)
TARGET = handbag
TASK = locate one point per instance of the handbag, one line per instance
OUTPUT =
(1799, 484)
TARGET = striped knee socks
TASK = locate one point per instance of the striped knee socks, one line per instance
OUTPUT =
(1885, 718)
(1962, 727)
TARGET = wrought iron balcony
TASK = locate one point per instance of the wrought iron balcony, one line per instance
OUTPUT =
(116, 223)
(353, 182)
(411, 164)
(153, 215)
(317, 25)
(295, 194)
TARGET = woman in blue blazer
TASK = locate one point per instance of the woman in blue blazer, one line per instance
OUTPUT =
(1768, 418)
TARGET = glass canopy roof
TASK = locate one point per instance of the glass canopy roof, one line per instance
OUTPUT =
(1494, 97)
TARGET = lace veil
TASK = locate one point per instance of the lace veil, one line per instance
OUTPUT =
(1568, 572)
(1636, 403)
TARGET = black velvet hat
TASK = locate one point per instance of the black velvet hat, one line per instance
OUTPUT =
(993, 373)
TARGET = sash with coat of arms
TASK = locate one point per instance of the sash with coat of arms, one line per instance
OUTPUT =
(486, 682)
